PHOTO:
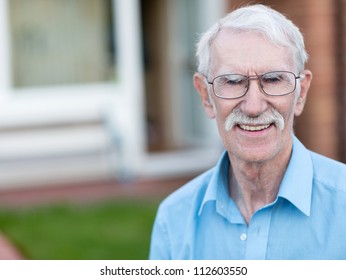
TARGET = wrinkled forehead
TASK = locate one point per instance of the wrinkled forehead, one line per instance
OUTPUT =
(247, 52)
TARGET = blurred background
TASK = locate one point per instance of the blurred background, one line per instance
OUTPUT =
(97, 105)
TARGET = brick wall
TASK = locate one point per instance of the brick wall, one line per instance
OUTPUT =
(340, 21)
(319, 127)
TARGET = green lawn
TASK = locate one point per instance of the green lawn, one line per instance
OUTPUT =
(108, 230)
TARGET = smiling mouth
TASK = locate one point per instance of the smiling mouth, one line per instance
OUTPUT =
(254, 127)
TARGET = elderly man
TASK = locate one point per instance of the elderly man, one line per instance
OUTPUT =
(268, 197)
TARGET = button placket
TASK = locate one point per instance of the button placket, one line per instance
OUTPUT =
(257, 235)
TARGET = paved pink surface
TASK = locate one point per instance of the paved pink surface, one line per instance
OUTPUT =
(8, 251)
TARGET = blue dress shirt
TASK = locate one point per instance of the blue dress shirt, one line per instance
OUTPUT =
(307, 220)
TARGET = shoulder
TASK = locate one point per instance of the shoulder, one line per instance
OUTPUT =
(187, 196)
(182, 207)
(329, 172)
(175, 217)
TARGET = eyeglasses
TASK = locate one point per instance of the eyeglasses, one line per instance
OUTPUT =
(275, 83)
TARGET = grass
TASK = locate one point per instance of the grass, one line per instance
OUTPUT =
(108, 230)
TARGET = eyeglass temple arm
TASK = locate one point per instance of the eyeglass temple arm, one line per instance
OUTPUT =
(206, 79)
(300, 76)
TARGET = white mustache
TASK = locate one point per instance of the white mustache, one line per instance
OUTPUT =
(268, 117)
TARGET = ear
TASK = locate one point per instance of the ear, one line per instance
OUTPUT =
(304, 88)
(202, 88)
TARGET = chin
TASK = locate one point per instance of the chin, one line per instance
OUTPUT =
(257, 154)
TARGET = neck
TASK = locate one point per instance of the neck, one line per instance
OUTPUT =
(256, 184)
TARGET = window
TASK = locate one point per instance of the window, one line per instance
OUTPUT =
(57, 42)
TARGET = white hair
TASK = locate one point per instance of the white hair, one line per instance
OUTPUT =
(256, 18)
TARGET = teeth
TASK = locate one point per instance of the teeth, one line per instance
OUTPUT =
(253, 128)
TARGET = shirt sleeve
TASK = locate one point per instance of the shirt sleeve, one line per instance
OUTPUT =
(159, 246)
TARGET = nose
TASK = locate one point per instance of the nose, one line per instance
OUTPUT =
(254, 101)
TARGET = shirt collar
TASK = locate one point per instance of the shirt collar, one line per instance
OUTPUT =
(218, 185)
(296, 185)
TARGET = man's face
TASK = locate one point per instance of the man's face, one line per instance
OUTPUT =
(252, 54)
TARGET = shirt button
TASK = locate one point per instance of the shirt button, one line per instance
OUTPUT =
(243, 237)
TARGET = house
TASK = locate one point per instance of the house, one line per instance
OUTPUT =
(97, 90)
